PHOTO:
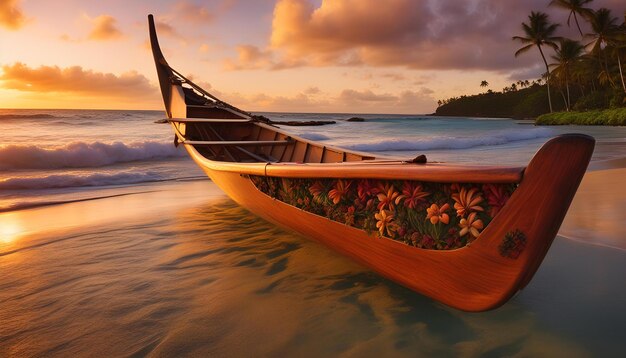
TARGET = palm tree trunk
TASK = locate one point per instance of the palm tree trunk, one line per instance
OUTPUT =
(564, 99)
(606, 68)
(621, 74)
(569, 104)
(577, 25)
(547, 78)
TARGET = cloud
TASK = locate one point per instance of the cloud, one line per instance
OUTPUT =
(166, 29)
(415, 34)
(394, 76)
(104, 28)
(419, 101)
(11, 16)
(250, 57)
(192, 12)
(313, 99)
(312, 91)
(357, 97)
(75, 80)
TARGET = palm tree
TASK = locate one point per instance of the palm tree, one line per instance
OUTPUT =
(604, 29)
(566, 55)
(484, 84)
(574, 7)
(539, 32)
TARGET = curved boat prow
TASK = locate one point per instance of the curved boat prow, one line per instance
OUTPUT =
(163, 69)
(555, 172)
(524, 230)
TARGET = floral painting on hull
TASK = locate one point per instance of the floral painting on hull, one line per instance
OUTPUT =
(437, 216)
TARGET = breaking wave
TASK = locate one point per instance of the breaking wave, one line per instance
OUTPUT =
(450, 142)
(72, 180)
(84, 155)
(314, 136)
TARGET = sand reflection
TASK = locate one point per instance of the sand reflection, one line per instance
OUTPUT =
(10, 229)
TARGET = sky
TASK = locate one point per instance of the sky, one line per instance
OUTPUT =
(351, 56)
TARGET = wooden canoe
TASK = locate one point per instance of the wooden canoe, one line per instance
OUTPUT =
(467, 236)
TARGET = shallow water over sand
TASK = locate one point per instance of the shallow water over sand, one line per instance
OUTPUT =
(205, 277)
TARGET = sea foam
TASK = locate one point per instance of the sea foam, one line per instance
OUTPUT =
(84, 155)
(74, 180)
(440, 143)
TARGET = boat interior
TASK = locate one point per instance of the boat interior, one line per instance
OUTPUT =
(222, 132)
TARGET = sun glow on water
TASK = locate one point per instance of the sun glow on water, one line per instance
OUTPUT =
(10, 230)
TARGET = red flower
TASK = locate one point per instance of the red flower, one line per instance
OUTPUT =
(366, 189)
(497, 196)
(412, 194)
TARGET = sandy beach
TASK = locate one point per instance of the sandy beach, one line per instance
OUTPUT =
(178, 268)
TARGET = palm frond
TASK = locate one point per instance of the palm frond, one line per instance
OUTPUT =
(524, 49)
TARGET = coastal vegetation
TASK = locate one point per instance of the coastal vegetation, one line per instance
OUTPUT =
(611, 117)
(582, 74)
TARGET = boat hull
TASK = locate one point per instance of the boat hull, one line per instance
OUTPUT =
(477, 277)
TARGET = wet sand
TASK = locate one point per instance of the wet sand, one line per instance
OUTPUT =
(179, 269)
(598, 211)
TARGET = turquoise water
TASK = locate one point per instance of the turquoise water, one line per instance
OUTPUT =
(159, 262)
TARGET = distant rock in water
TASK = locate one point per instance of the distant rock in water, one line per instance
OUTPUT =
(266, 120)
(299, 123)
(161, 121)
(355, 119)
(261, 119)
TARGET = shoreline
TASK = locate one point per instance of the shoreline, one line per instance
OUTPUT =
(593, 217)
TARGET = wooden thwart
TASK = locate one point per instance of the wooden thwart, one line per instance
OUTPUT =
(238, 142)
(207, 120)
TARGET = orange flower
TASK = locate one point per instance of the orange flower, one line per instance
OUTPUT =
(437, 214)
(467, 201)
(412, 194)
(340, 189)
(317, 190)
(387, 196)
(471, 225)
(384, 223)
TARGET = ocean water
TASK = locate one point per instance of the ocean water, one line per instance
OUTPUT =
(59, 155)
(112, 242)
